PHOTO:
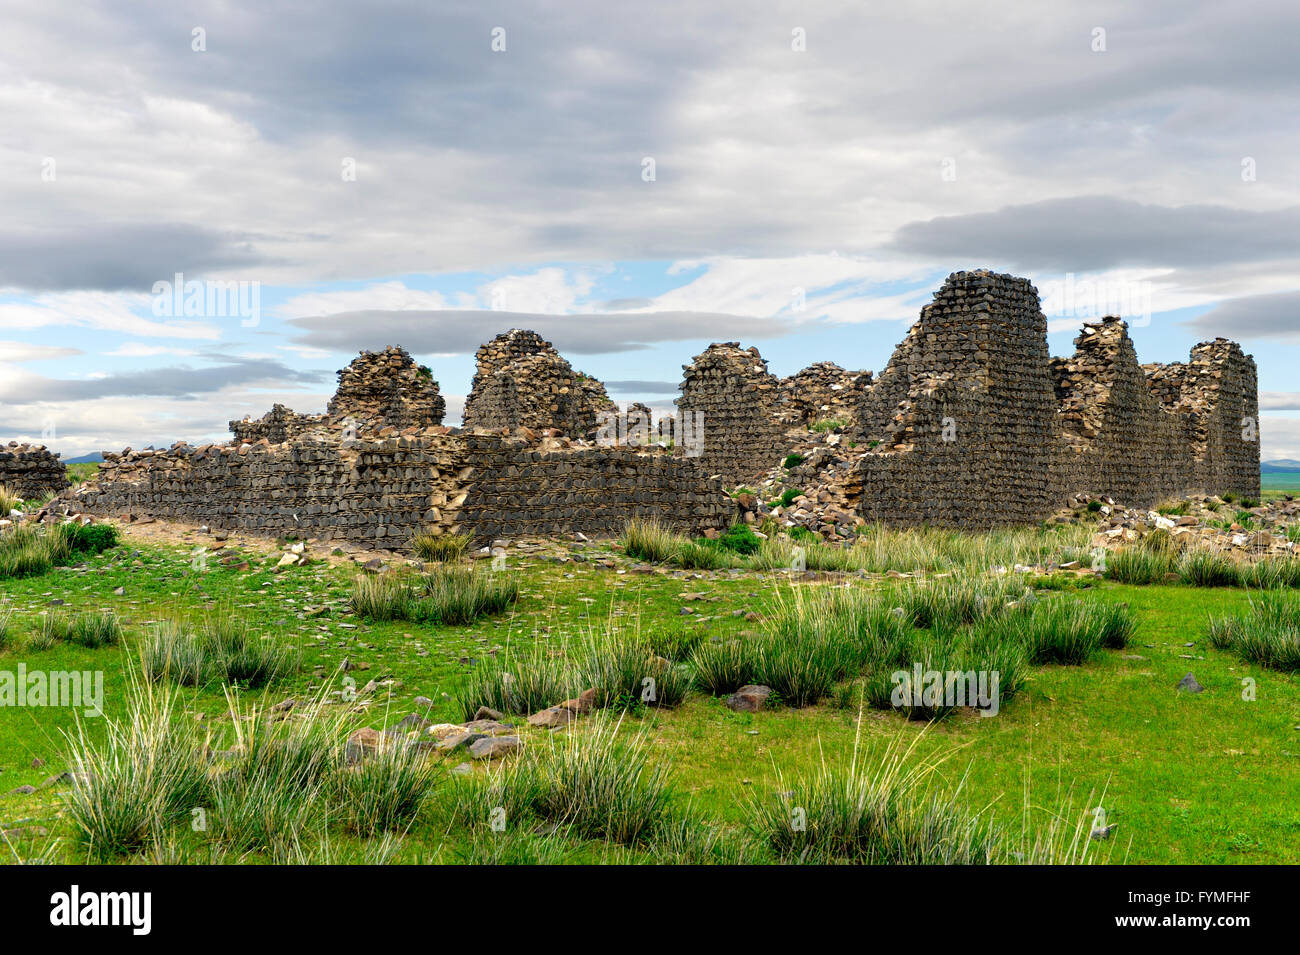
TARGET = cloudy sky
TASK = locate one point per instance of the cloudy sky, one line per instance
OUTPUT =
(634, 181)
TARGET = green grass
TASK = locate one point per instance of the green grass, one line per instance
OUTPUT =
(1268, 633)
(1201, 778)
(440, 547)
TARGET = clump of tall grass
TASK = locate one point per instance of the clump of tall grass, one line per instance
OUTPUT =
(650, 540)
(450, 595)
(1271, 572)
(960, 600)
(510, 683)
(889, 814)
(693, 555)
(28, 550)
(626, 671)
(1268, 633)
(91, 630)
(440, 547)
(459, 595)
(384, 792)
(6, 633)
(135, 777)
(221, 648)
(383, 597)
(1068, 631)
(595, 783)
(971, 667)
(1208, 568)
(725, 666)
(1135, 565)
(9, 500)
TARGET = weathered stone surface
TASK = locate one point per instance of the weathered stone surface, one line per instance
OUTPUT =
(493, 747)
(521, 381)
(31, 471)
(749, 699)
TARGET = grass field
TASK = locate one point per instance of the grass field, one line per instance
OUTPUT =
(1185, 778)
(1279, 483)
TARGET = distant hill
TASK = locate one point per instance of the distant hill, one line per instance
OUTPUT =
(96, 457)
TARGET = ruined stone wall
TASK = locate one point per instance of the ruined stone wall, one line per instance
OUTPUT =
(380, 492)
(31, 470)
(739, 400)
(824, 391)
(521, 381)
(278, 425)
(962, 425)
(387, 389)
(1217, 391)
(1119, 440)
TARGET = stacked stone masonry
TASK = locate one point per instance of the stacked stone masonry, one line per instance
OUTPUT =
(521, 381)
(380, 492)
(739, 403)
(972, 424)
(31, 471)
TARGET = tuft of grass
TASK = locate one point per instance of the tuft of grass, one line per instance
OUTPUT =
(440, 547)
(724, 667)
(693, 555)
(452, 595)
(384, 793)
(890, 814)
(650, 540)
(1268, 633)
(627, 672)
(513, 684)
(455, 596)
(134, 778)
(1069, 631)
(596, 784)
(383, 597)
(221, 649)
(793, 460)
(9, 500)
(1207, 568)
(1134, 565)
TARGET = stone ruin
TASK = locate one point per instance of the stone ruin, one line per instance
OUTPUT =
(521, 381)
(739, 402)
(379, 467)
(31, 470)
(972, 424)
(377, 391)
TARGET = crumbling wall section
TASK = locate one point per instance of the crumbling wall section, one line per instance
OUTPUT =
(738, 401)
(1118, 438)
(823, 392)
(386, 389)
(278, 425)
(380, 492)
(521, 381)
(961, 427)
(31, 470)
(1217, 392)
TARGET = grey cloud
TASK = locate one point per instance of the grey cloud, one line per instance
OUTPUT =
(1275, 316)
(1279, 401)
(173, 382)
(127, 256)
(1090, 233)
(639, 387)
(461, 331)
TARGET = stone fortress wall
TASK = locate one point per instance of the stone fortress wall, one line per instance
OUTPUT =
(972, 424)
(31, 471)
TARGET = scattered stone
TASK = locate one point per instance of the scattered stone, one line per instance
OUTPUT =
(492, 747)
(1189, 684)
(749, 699)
